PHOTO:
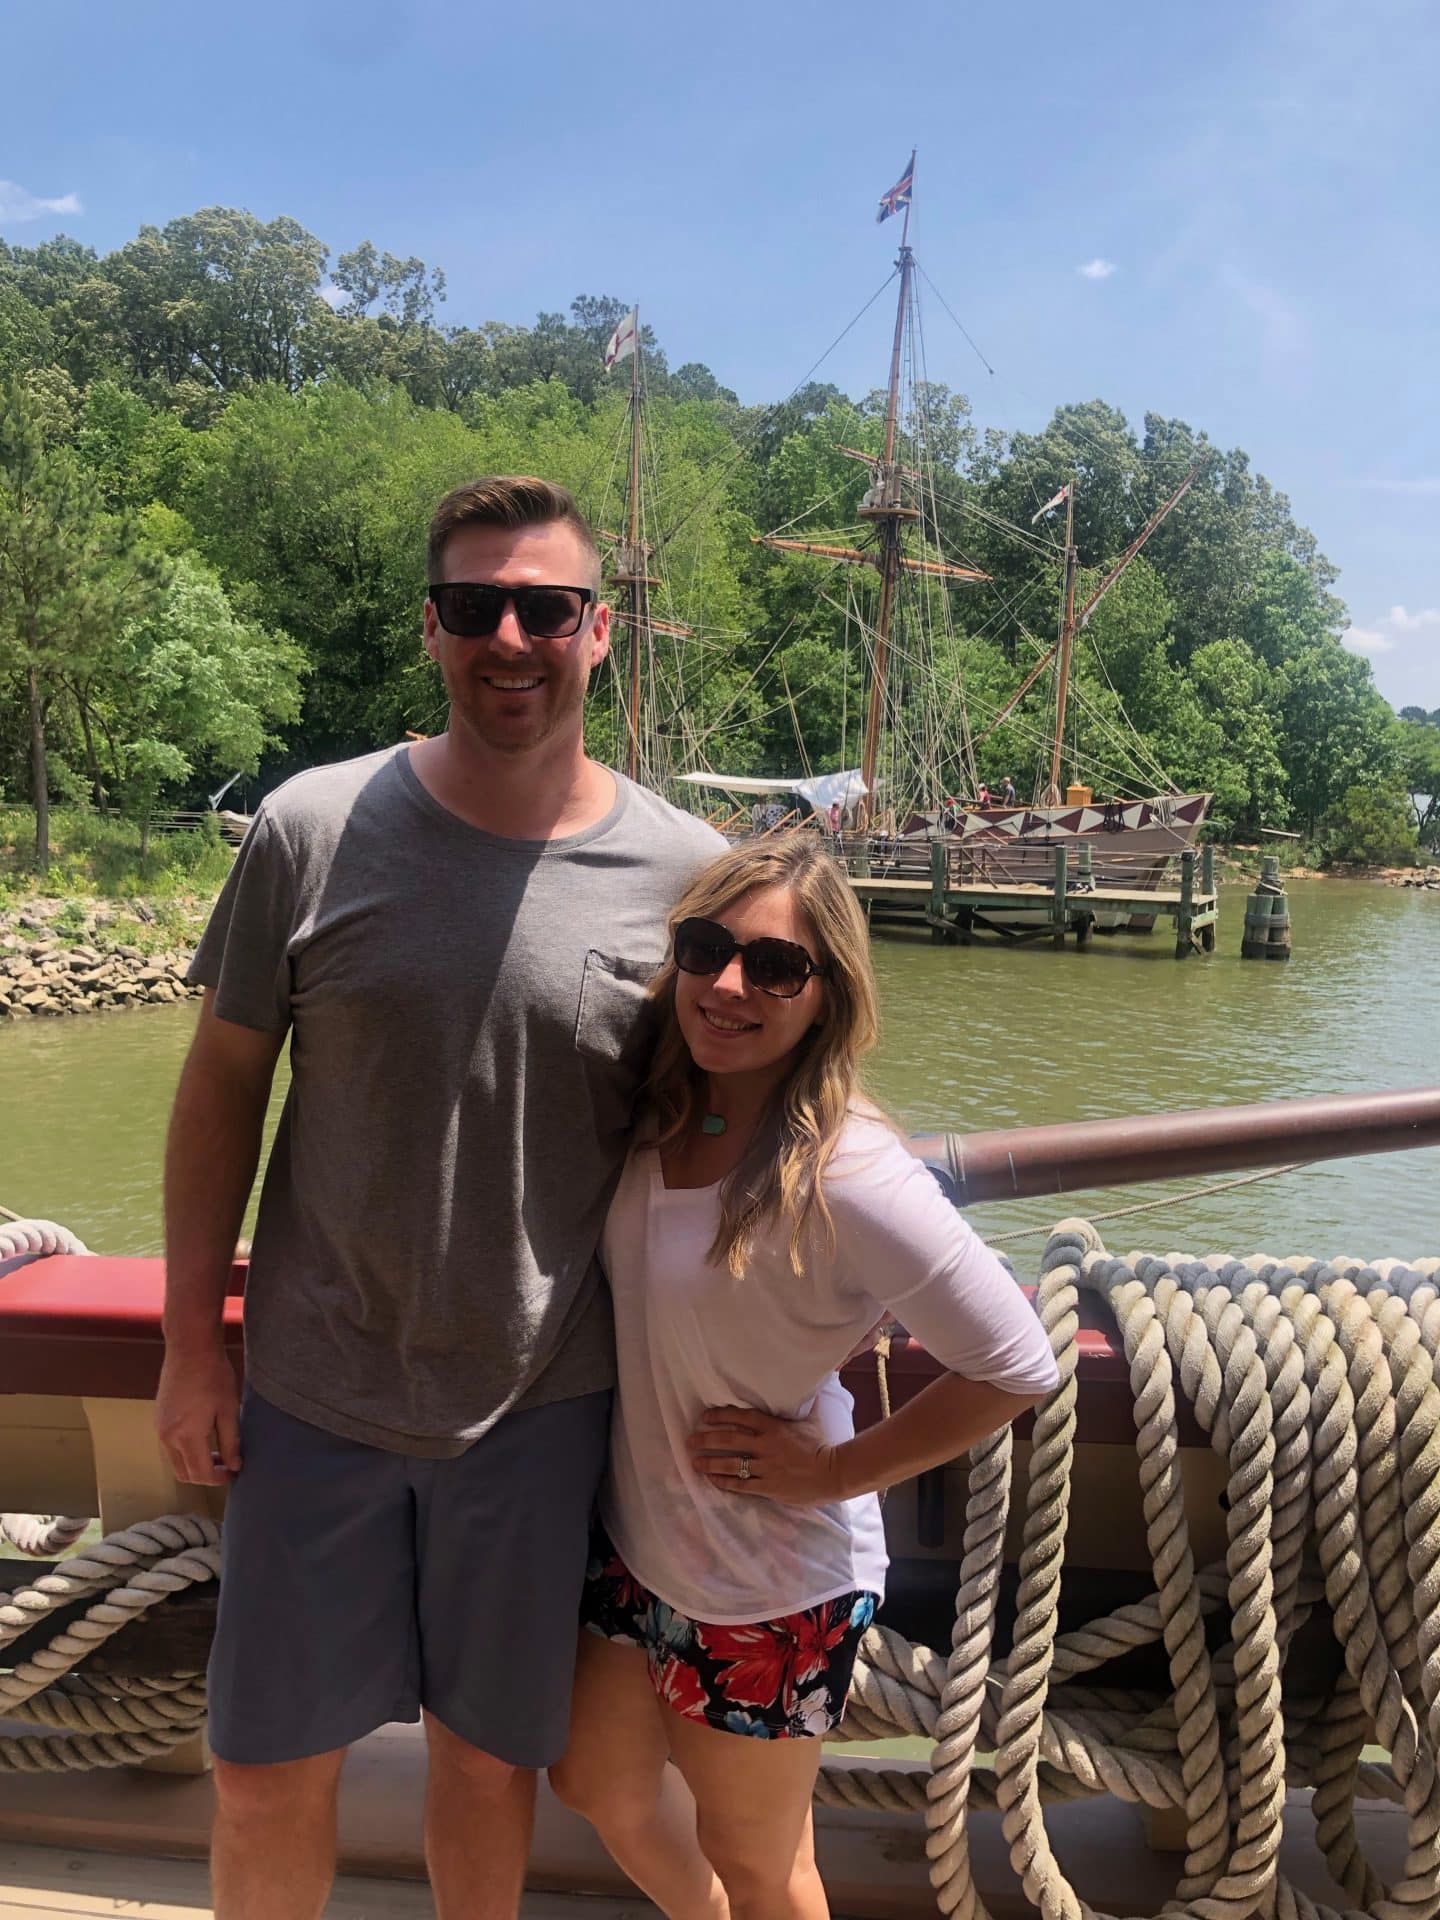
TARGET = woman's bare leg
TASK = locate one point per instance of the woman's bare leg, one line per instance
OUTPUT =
(616, 1773)
(752, 1801)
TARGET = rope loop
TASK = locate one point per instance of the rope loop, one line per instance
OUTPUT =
(1316, 1384)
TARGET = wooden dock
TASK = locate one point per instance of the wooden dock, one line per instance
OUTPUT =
(956, 908)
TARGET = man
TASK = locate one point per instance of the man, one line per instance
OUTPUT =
(457, 936)
(1007, 792)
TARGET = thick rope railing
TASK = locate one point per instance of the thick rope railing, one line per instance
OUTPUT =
(1316, 1384)
(103, 1720)
(40, 1535)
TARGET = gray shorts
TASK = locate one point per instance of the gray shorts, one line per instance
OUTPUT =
(359, 1585)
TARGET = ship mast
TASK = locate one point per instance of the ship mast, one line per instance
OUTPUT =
(1082, 619)
(631, 569)
(1067, 642)
(883, 505)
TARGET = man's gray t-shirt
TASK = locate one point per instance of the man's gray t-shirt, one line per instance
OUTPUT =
(470, 1026)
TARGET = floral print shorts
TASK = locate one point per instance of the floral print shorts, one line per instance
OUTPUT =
(775, 1680)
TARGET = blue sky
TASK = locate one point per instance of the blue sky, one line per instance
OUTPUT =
(1261, 180)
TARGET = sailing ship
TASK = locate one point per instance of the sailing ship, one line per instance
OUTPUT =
(919, 743)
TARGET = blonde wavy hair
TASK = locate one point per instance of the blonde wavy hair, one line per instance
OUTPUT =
(779, 1177)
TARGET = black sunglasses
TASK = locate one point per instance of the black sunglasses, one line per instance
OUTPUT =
(473, 609)
(778, 967)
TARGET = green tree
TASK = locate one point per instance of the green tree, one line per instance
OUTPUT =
(70, 575)
(1338, 733)
(1369, 826)
(1419, 744)
(136, 452)
(217, 298)
(1212, 551)
(406, 289)
(26, 340)
(191, 688)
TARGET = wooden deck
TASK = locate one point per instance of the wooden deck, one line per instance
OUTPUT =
(957, 899)
(133, 1842)
(1024, 893)
(956, 902)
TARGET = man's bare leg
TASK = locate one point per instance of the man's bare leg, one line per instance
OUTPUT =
(272, 1854)
(479, 1813)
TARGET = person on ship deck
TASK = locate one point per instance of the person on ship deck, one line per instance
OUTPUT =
(767, 1217)
(456, 936)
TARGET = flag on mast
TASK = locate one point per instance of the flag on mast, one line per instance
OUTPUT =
(621, 343)
(898, 198)
(1064, 494)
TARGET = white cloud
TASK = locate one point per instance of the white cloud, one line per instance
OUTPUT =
(332, 295)
(1405, 622)
(1096, 269)
(1392, 631)
(1429, 483)
(16, 204)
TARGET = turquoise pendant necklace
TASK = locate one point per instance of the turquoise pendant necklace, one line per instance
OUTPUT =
(713, 1123)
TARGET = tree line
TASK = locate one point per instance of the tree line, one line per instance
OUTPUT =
(219, 447)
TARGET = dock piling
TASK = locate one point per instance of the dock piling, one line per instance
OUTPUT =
(939, 874)
(1184, 918)
(1060, 908)
(1267, 916)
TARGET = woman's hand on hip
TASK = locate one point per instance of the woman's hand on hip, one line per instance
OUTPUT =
(741, 1450)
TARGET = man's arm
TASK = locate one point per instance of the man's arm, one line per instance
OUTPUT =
(210, 1159)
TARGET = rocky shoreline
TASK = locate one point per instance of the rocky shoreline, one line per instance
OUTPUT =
(114, 958)
(40, 978)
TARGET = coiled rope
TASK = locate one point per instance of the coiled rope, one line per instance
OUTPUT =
(1316, 1383)
(107, 1720)
(36, 1236)
(41, 1535)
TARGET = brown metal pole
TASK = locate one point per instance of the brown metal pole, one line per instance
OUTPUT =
(639, 587)
(1027, 1161)
(889, 551)
(1067, 638)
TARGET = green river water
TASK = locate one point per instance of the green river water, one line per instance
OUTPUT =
(974, 1038)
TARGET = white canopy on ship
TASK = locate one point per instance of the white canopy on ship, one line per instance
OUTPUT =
(822, 791)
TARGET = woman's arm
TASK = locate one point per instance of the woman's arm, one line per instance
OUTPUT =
(789, 1461)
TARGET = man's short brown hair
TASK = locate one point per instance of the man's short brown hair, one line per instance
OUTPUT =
(506, 500)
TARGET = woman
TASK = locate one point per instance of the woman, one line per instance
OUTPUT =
(766, 1218)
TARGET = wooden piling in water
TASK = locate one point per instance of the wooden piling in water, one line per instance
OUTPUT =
(939, 875)
(1267, 916)
(1185, 917)
(1207, 889)
(1060, 909)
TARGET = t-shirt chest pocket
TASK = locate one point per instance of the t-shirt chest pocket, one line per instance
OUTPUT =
(616, 1024)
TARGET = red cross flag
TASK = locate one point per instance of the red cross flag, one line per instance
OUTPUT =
(621, 343)
(1064, 494)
